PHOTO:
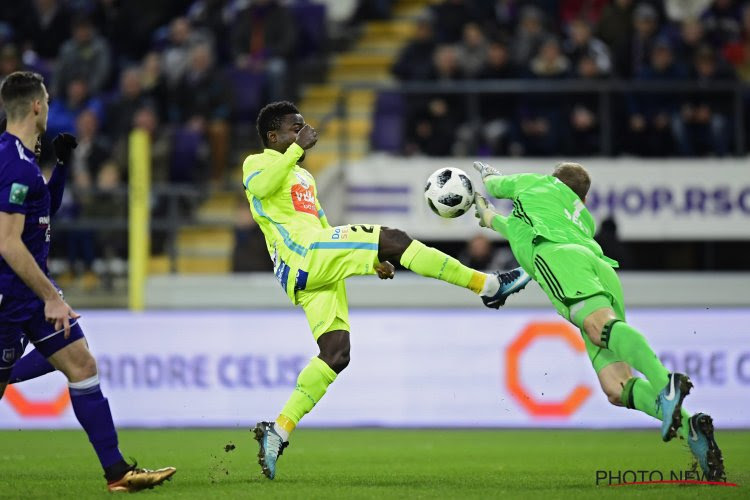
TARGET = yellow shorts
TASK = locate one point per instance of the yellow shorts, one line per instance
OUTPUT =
(334, 254)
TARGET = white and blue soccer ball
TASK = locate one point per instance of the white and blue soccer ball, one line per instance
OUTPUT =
(449, 192)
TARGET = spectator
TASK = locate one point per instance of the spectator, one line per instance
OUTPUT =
(122, 108)
(92, 150)
(9, 61)
(48, 29)
(653, 123)
(108, 202)
(472, 51)
(445, 64)
(582, 43)
(691, 37)
(450, 18)
(615, 29)
(154, 83)
(431, 131)
(722, 22)
(264, 36)
(177, 53)
(414, 62)
(583, 114)
(706, 115)
(646, 25)
(480, 254)
(541, 113)
(612, 245)
(529, 35)
(86, 56)
(64, 111)
(497, 110)
(590, 11)
(682, 10)
(202, 103)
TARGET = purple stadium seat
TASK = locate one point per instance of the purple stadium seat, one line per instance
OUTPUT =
(388, 122)
(311, 28)
(185, 161)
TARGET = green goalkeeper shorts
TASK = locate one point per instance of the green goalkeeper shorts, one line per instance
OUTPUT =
(334, 254)
(578, 283)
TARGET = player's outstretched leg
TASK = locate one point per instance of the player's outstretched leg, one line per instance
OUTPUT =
(92, 411)
(312, 384)
(704, 448)
(395, 245)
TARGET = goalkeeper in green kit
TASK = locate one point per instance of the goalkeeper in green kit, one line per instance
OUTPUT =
(551, 234)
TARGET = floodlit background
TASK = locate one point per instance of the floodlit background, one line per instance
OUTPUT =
(651, 96)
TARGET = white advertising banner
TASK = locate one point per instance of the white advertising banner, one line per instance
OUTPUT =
(460, 367)
(705, 199)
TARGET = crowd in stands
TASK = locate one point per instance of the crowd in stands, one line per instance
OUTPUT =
(701, 41)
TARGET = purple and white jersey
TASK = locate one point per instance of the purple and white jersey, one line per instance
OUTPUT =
(23, 190)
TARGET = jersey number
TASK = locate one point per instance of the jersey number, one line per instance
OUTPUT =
(367, 229)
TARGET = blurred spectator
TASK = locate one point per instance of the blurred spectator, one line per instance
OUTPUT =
(612, 245)
(582, 43)
(737, 52)
(121, 108)
(108, 202)
(431, 130)
(92, 150)
(450, 18)
(654, 123)
(201, 101)
(48, 29)
(590, 11)
(154, 83)
(691, 37)
(682, 10)
(541, 114)
(147, 119)
(445, 64)
(615, 29)
(177, 53)
(722, 22)
(706, 115)
(64, 110)
(472, 51)
(646, 25)
(264, 36)
(414, 62)
(250, 253)
(214, 17)
(85, 56)
(529, 35)
(583, 114)
(9, 61)
(481, 255)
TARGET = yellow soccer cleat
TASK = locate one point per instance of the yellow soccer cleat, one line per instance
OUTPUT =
(137, 479)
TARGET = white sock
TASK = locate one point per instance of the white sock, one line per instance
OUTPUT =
(281, 432)
(491, 286)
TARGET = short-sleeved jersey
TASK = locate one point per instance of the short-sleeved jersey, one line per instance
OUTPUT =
(23, 190)
(283, 201)
(544, 208)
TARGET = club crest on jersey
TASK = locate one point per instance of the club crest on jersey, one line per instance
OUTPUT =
(303, 199)
(9, 355)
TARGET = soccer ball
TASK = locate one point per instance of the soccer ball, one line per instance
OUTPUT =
(449, 192)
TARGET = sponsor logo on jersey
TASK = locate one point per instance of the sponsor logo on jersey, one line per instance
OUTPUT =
(303, 199)
(340, 233)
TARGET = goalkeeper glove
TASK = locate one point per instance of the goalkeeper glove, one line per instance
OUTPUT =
(485, 170)
(483, 210)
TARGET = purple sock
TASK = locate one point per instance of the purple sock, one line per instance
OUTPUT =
(32, 365)
(92, 411)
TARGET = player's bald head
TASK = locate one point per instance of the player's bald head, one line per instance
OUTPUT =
(574, 176)
(20, 89)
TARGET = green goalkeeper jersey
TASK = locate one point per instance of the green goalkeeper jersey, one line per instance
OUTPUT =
(544, 209)
(283, 201)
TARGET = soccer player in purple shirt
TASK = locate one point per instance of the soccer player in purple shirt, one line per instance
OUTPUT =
(31, 306)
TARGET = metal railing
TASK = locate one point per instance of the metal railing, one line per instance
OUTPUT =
(605, 90)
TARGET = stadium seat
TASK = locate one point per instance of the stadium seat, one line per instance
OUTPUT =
(388, 124)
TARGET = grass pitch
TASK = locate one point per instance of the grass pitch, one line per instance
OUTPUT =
(369, 463)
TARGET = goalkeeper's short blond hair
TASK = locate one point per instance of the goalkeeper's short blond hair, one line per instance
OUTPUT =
(574, 176)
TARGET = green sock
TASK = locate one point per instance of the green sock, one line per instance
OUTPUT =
(312, 383)
(433, 263)
(638, 394)
(631, 346)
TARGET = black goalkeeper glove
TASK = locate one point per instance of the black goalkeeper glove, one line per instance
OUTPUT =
(64, 145)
